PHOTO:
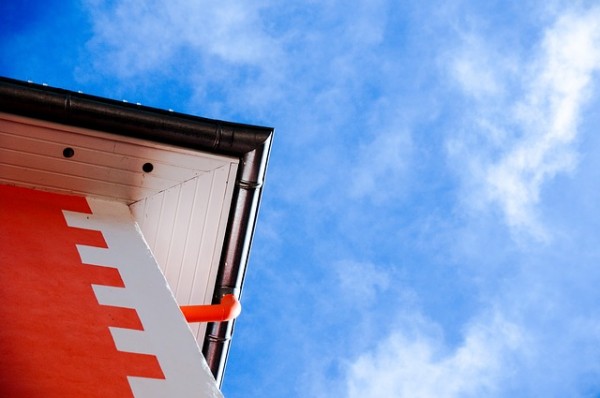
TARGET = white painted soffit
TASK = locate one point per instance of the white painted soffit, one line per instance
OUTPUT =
(108, 166)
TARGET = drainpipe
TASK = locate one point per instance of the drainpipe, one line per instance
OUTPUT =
(234, 257)
(228, 309)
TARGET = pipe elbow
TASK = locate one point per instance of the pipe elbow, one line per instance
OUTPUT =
(231, 306)
(228, 309)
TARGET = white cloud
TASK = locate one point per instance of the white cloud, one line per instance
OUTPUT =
(539, 336)
(527, 141)
(361, 282)
(420, 367)
(132, 37)
(536, 333)
(477, 69)
(381, 167)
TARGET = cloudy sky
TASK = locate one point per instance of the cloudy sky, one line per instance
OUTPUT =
(430, 223)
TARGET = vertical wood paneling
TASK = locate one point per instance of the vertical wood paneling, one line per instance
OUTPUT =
(179, 237)
(208, 258)
(184, 227)
(166, 224)
(208, 244)
(152, 206)
(196, 226)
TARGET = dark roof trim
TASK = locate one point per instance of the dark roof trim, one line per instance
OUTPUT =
(251, 144)
(124, 118)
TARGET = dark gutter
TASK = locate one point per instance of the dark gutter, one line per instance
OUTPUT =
(250, 144)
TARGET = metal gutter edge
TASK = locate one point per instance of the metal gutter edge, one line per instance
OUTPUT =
(251, 144)
(234, 258)
(82, 110)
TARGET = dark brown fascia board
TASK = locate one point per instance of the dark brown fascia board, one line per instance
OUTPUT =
(251, 144)
(82, 110)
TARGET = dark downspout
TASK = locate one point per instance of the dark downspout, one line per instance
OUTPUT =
(234, 258)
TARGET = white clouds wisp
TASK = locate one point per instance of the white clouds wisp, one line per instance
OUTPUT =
(531, 139)
(419, 368)
(536, 332)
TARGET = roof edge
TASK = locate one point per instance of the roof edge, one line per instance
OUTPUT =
(251, 144)
(133, 120)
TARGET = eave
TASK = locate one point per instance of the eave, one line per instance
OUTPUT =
(250, 144)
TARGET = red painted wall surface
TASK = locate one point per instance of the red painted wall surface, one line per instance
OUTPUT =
(54, 337)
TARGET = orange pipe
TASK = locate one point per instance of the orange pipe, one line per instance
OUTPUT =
(229, 309)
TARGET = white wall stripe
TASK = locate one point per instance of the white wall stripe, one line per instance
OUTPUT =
(115, 296)
(130, 340)
(166, 334)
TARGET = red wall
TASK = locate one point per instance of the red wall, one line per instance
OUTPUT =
(54, 338)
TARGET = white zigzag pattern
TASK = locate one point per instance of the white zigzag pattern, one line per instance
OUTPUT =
(165, 333)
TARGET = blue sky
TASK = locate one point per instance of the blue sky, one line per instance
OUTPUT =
(430, 220)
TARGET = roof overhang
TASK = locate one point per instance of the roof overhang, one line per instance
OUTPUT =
(247, 146)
